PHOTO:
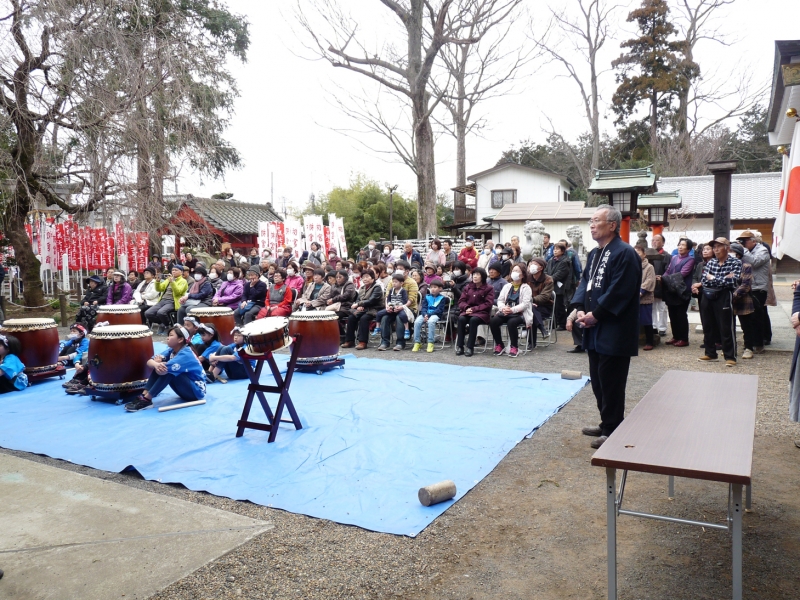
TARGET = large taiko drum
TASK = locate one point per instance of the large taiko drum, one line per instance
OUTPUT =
(221, 317)
(39, 341)
(119, 314)
(320, 331)
(266, 335)
(118, 356)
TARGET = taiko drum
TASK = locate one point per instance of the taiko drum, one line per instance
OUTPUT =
(118, 356)
(39, 341)
(119, 314)
(220, 317)
(320, 331)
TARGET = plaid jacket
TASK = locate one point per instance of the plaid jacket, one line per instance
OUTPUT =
(720, 272)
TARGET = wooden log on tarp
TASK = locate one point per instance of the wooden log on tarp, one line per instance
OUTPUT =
(437, 492)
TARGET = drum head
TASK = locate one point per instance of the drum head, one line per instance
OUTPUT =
(210, 311)
(118, 308)
(28, 324)
(265, 325)
(120, 331)
(314, 315)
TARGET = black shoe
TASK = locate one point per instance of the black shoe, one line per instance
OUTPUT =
(592, 431)
(468, 352)
(459, 351)
(141, 403)
(576, 350)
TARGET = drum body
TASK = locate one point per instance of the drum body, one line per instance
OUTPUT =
(119, 314)
(118, 356)
(221, 317)
(39, 341)
(266, 335)
(320, 331)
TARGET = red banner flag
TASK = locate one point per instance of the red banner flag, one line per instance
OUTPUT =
(281, 239)
(109, 246)
(327, 240)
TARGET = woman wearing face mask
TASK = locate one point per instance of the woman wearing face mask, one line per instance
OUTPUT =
(230, 291)
(293, 277)
(201, 292)
(214, 278)
(387, 257)
(514, 308)
(474, 305)
(468, 254)
(458, 279)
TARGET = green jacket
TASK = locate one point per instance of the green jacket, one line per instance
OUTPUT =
(179, 288)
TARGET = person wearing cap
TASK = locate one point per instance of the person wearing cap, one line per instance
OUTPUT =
(678, 306)
(171, 289)
(254, 294)
(192, 325)
(227, 360)
(146, 295)
(176, 367)
(119, 292)
(607, 300)
(200, 293)
(744, 307)
(430, 273)
(468, 254)
(12, 371)
(432, 310)
(497, 282)
(504, 262)
(96, 294)
(721, 276)
(757, 255)
(71, 350)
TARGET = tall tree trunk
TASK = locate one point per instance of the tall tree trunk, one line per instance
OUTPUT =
(27, 262)
(426, 177)
(653, 121)
(595, 118)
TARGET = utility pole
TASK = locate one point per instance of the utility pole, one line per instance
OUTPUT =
(391, 211)
(313, 205)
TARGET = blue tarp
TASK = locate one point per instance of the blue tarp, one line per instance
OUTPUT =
(373, 434)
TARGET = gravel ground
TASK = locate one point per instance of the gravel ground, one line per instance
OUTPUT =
(535, 527)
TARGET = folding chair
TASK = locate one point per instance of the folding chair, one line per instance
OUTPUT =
(440, 329)
(550, 336)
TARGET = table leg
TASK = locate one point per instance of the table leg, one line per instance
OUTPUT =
(737, 541)
(671, 486)
(611, 516)
(748, 503)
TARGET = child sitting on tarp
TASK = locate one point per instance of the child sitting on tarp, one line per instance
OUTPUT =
(192, 326)
(72, 349)
(12, 375)
(176, 367)
(227, 359)
(210, 344)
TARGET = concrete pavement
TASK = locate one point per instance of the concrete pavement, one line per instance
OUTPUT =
(64, 535)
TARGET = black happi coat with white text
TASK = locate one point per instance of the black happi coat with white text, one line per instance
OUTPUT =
(612, 298)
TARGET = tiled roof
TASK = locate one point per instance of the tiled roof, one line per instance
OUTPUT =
(553, 211)
(232, 216)
(623, 179)
(753, 195)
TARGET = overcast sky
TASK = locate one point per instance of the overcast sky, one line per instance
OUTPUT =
(285, 121)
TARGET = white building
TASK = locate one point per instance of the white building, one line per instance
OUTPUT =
(510, 183)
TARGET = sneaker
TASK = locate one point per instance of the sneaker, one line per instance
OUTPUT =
(499, 349)
(383, 347)
(430, 347)
(141, 403)
(75, 390)
(376, 331)
(398, 348)
(513, 352)
(747, 353)
(407, 335)
(706, 358)
(416, 347)
(730, 363)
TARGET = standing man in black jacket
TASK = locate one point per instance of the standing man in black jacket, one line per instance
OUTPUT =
(607, 300)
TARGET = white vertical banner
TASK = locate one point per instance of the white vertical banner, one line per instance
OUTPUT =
(334, 234)
(263, 237)
(315, 231)
(293, 236)
(340, 236)
(49, 251)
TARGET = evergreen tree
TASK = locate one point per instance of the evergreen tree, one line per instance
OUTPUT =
(654, 70)
(749, 145)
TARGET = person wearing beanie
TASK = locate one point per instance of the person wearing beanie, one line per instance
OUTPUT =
(119, 292)
(201, 293)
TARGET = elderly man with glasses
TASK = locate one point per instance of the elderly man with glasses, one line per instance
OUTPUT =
(607, 301)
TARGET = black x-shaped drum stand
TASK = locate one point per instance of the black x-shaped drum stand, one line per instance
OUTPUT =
(256, 389)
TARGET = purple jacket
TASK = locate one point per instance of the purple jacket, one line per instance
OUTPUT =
(479, 298)
(686, 264)
(119, 293)
(230, 293)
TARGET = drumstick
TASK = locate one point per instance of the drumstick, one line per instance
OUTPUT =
(181, 405)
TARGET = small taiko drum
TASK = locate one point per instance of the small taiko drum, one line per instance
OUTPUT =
(221, 317)
(320, 331)
(119, 314)
(266, 335)
(118, 356)
(39, 341)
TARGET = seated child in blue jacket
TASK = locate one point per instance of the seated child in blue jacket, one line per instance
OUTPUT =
(210, 344)
(12, 375)
(176, 367)
(71, 350)
(227, 359)
(432, 309)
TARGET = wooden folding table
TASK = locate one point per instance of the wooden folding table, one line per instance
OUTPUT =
(694, 425)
